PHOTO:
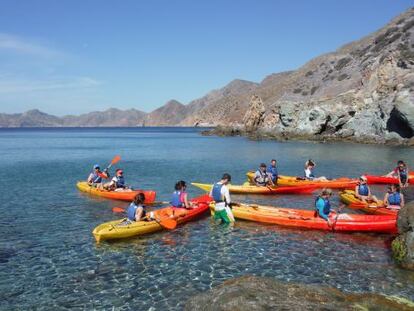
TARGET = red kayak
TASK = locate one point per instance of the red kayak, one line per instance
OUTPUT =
(373, 179)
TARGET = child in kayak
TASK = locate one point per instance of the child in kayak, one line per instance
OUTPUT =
(400, 172)
(262, 178)
(363, 192)
(117, 182)
(136, 210)
(272, 171)
(393, 198)
(179, 196)
(95, 178)
(309, 166)
(221, 195)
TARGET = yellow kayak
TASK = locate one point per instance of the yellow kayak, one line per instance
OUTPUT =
(123, 228)
(283, 180)
(348, 197)
(246, 188)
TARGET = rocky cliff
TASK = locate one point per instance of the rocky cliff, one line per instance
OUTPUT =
(363, 92)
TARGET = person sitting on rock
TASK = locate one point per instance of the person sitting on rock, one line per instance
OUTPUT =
(272, 171)
(309, 175)
(262, 178)
(363, 192)
(400, 172)
(394, 198)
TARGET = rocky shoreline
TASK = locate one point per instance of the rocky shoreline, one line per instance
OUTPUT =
(264, 134)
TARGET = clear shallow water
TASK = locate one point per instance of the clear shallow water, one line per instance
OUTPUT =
(48, 258)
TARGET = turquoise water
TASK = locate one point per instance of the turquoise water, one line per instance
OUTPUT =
(49, 260)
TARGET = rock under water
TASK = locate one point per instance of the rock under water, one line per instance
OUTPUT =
(251, 293)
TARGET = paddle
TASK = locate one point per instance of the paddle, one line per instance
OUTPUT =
(115, 160)
(337, 215)
(166, 223)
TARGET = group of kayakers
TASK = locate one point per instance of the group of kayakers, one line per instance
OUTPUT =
(265, 176)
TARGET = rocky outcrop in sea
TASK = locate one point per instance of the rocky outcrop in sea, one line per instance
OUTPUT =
(251, 293)
(403, 245)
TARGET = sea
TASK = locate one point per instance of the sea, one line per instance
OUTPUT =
(49, 259)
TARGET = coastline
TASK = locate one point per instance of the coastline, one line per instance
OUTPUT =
(268, 135)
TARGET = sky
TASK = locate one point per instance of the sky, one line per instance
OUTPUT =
(76, 56)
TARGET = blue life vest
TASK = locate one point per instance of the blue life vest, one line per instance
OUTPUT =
(176, 199)
(96, 179)
(394, 198)
(363, 190)
(120, 182)
(216, 193)
(403, 175)
(132, 209)
(326, 207)
(273, 171)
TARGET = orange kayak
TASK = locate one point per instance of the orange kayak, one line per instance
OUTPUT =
(338, 183)
(127, 195)
(306, 219)
(348, 197)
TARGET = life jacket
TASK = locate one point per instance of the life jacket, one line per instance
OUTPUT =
(132, 209)
(119, 181)
(263, 179)
(216, 193)
(403, 174)
(326, 207)
(363, 190)
(96, 178)
(273, 171)
(394, 198)
(176, 200)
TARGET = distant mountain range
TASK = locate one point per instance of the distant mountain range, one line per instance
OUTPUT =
(364, 92)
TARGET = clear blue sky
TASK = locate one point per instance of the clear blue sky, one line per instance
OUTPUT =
(70, 57)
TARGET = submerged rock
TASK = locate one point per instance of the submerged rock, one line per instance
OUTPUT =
(250, 293)
(403, 245)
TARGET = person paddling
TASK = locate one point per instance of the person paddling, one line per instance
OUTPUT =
(323, 205)
(221, 195)
(179, 197)
(272, 171)
(393, 197)
(136, 210)
(117, 182)
(95, 178)
(400, 172)
(309, 175)
(262, 178)
(363, 192)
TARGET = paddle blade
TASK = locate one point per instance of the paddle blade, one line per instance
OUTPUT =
(116, 159)
(118, 210)
(168, 223)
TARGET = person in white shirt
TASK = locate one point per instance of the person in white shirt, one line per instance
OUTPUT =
(221, 195)
(309, 166)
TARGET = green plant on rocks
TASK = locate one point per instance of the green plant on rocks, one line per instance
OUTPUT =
(399, 249)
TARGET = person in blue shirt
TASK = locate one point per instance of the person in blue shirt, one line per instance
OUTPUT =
(272, 171)
(323, 205)
(363, 192)
(394, 198)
